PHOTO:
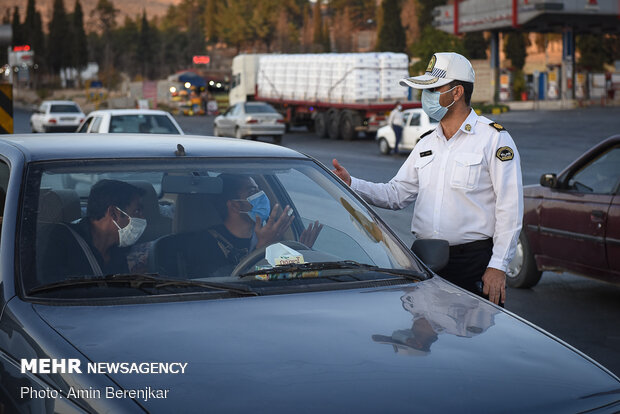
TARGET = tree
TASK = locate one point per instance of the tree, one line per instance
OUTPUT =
(431, 41)
(515, 44)
(343, 30)
(79, 45)
(34, 36)
(265, 21)
(425, 12)
(104, 16)
(475, 45)
(594, 52)
(391, 37)
(210, 22)
(145, 51)
(233, 17)
(317, 27)
(16, 26)
(59, 34)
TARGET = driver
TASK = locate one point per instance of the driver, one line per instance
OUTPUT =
(249, 223)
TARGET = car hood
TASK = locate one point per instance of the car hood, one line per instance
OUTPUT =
(418, 347)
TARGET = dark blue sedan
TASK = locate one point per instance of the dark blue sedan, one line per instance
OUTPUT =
(192, 274)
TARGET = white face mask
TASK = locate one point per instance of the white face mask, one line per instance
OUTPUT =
(130, 234)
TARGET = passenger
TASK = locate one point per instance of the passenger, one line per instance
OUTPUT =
(97, 244)
(249, 223)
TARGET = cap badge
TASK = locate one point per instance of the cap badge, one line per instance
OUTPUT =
(431, 64)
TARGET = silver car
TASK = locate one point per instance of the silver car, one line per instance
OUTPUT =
(250, 120)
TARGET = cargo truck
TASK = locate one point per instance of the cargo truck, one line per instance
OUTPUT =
(336, 95)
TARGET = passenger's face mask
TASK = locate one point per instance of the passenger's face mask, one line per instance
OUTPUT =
(431, 105)
(129, 235)
(260, 206)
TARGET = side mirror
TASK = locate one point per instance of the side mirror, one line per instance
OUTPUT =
(434, 253)
(549, 180)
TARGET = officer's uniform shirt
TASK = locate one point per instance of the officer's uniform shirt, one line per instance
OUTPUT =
(465, 189)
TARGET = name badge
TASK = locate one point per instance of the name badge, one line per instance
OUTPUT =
(426, 153)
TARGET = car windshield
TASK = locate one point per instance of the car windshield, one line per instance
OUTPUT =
(259, 109)
(64, 108)
(142, 124)
(201, 228)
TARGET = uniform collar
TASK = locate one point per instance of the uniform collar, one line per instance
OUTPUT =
(469, 125)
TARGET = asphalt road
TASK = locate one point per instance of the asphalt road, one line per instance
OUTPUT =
(581, 311)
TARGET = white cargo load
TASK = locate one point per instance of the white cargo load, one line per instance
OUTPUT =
(329, 77)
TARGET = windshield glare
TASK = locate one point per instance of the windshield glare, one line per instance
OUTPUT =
(200, 220)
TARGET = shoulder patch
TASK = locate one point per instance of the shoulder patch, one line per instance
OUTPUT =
(497, 126)
(426, 133)
(505, 154)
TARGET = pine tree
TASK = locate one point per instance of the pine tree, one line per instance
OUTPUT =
(16, 24)
(58, 35)
(145, 50)
(210, 22)
(317, 25)
(475, 45)
(79, 44)
(515, 45)
(391, 36)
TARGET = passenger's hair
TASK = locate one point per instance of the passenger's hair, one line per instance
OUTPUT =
(106, 193)
(231, 190)
(467, 86)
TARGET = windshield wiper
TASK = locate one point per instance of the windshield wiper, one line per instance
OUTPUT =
(297, 270)
(141, 280)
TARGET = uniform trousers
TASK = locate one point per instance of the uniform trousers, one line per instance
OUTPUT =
(467, 265)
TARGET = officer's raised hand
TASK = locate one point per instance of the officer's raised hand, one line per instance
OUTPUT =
(341, 172)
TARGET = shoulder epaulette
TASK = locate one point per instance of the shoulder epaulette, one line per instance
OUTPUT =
(426, 133)
(497, 126)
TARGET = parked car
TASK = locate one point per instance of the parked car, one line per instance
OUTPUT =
(415, 122)
(56, 116)
(250, 120)
(571, 220)
(356, 323)
(130, 121)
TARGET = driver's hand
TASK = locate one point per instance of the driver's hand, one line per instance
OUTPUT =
(309, 235)
(279, 221)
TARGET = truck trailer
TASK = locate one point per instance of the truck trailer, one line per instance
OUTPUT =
(336, 95)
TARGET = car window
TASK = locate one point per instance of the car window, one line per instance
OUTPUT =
(64, 108)
(415, 119)
(142, 123)
(236, 110)
(95, 124)
(601, 175)
(185, 203)
(259, 109)
(84, 127)
(406, 116)
(4, 183)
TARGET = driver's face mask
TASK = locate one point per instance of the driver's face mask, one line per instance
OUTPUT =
(129, 235)
(260, 206)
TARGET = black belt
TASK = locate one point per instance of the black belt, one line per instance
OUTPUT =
(471, 246)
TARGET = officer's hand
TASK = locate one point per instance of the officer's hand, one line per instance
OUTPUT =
(341, 172)
(494, 285)
(309, 235)
(277, 223)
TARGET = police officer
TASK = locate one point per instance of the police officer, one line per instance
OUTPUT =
(464, 177)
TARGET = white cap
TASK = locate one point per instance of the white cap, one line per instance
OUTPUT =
(441, 70)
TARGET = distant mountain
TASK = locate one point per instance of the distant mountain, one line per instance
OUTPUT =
(129, 8)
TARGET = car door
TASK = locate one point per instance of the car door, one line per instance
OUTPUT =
(411, 133)
(95, 125)
(227, 123)
(84, 127)
(612, 239)
(37, 118)
(573, 221)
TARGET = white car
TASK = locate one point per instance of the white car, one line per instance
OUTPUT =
(130, 121)
(56, 116)
(415, 121)
(250, 120)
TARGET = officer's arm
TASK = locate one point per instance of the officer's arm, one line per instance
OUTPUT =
(396, 194)
(505, 171)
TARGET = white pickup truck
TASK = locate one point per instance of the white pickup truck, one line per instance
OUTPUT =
(415, 121)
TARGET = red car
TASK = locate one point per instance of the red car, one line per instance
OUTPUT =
(571, 221)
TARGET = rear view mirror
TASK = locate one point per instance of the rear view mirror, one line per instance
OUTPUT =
(434, 253)
(549, 180)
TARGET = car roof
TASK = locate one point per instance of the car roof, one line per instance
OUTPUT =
(129, 112)
(37, 147)
(59, 102)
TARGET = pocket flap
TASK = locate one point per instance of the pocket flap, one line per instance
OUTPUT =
(468, 158)
(422, 161)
